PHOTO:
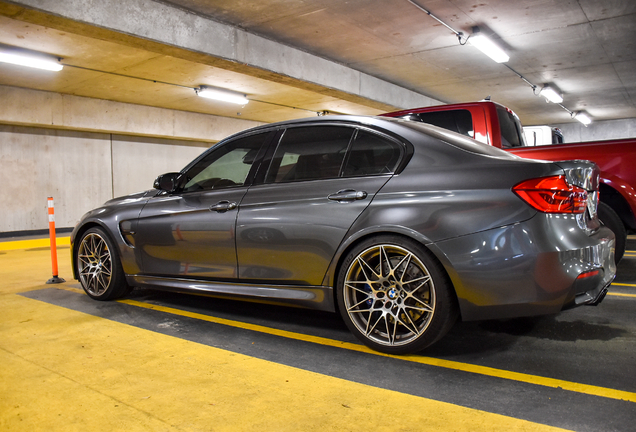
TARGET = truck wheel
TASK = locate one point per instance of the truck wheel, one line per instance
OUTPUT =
(610, 219)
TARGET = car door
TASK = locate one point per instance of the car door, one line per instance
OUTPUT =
(319, 180)
(190, 232)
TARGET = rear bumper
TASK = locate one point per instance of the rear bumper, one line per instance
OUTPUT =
(591, 287)
(540, 266)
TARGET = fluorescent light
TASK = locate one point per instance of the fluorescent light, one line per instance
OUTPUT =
(488, 47)
(583, 118)
(551, 94)
(222, 95)
(34, 60)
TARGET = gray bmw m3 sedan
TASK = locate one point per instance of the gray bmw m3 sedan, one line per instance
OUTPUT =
(399, 226)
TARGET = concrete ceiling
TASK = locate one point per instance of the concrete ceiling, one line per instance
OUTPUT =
(586, 47)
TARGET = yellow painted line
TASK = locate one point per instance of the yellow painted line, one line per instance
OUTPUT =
(622, 295)
(448, 364)
(32, 244)
(623, 284)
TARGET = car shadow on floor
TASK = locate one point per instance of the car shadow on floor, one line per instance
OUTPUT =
(464, 338)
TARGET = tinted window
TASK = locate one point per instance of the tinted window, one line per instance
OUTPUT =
(226, 166)
(372, 154)
(309, 153)
(510, 129)
(459, 121)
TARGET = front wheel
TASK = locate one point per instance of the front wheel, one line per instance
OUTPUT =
(98, 267)
(394, 296)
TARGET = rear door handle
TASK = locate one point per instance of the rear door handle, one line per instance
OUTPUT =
(347, 195)
(223, 206)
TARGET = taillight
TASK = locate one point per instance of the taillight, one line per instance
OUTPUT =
(552, 195)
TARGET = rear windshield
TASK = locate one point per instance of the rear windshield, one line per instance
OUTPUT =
(459, 121)
(511, 131)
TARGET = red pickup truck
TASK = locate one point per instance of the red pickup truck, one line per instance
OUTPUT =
(494, 124)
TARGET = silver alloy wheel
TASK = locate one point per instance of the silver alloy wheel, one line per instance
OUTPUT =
(389, 295)
(95, 265)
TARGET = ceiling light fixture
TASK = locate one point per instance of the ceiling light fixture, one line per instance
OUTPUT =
(551, 93)
(487, 46)
(583, 118)
(222, 95)
(491, 49)
(30, 59)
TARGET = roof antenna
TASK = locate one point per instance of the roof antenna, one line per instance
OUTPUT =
(487, 98)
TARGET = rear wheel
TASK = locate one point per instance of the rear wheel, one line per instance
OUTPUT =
(98, 266)
(394, 296)
(610, 219)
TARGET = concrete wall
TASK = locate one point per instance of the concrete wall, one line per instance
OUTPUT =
(137, 161)
(80, 170)
(596, 131)
(84, 151)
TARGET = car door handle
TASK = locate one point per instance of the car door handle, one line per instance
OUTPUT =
(347, 195)
(223, 206)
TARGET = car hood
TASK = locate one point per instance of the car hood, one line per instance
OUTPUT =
(134, 197)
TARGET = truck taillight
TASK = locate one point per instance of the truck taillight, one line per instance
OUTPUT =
(552, 195)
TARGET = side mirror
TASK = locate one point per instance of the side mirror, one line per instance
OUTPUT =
(167, 182)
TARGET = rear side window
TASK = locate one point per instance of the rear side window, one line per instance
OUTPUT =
(460, 121)
(372, 154)
(309, 153)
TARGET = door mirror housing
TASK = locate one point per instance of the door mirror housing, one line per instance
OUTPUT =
(167, 182)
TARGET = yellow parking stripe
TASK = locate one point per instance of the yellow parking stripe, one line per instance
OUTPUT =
(34, 243)
(622, 295)
(623, 284)
(482, 370)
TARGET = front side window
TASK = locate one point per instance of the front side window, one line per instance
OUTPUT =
(309, 153)
(227, 166)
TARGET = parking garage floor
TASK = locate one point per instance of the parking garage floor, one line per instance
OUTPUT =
(157, 361)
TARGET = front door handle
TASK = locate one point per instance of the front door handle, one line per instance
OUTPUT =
(223, 206)
(347, 195)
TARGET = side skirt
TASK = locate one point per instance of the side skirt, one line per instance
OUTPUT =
(311, 297)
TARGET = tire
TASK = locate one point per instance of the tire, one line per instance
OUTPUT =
(98, 266)
(395, 296)
(610, 219)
